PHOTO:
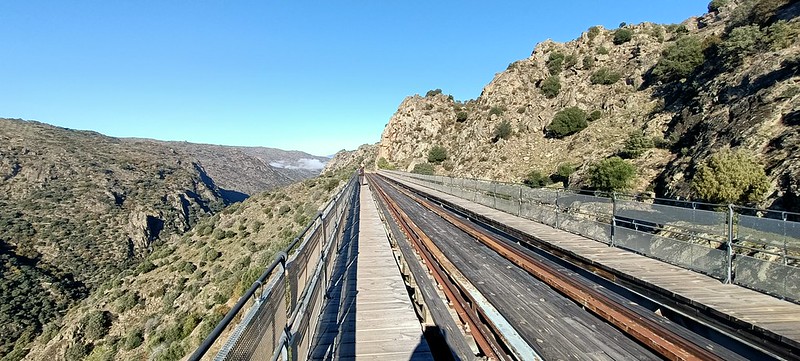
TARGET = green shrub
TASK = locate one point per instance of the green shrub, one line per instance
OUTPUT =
(437, 154)
(588, 62)
(716, 5)
(212, 254)
(502, 130)
(567, 121)
(782, 34)
(741, 42)
(636, 145)
(76, 352)
(145, 266)
(497, 110)
(433, 92)
(730, 177)
(563, 172)
(622, 36)
(555, 62)
(133, 339)
(595, 115)
(384, 164)
(570, 61)
(461, 116)
(602, 50)
(423, 168)
(551, 86)
(612, 174)
(128, 301)
(96, 324)
(536, 179)
(605, 76)
(593, 32)
(680, 59)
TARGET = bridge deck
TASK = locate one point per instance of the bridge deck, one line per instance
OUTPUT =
(369, 315)
(747, 308)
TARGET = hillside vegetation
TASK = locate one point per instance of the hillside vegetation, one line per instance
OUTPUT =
(666, 99)
(78, 209)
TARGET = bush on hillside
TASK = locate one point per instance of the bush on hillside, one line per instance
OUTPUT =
(680, 59)
(636, 145)
(605, 76)
(611, 175)
(461, 116)
(433, 92)
(536, 179)
(593, 32)
(551, 86)
(730, 177)
(384, 164)
(622, 36)
(502, 130)
(96, 324)
(563, 172)
(741, 42)
(595, 115)
(567, 121)
(423, 168)
(497, 110)
(437, 154)
(555, 62)
(716, 5)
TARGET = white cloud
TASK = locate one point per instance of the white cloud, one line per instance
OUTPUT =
(302, 163)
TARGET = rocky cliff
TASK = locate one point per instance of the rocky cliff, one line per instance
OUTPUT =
(725, 80)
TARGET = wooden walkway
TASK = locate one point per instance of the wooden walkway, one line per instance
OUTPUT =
(748, 308)
(369, 315)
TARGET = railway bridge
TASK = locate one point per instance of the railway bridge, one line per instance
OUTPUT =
(401, 266)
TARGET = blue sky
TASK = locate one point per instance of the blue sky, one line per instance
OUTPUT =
(317, 76)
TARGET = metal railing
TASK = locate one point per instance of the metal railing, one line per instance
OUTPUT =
(282, 307)
(755, 248)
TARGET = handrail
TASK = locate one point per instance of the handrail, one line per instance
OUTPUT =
(214, 335)
(336, 208)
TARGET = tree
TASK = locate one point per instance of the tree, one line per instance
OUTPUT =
(563, 172)
(622, 36)
(567, 121)
(551, 86)
(437, 154)
(502, 130)
(680, 60)
(423, 168)
(730, 177)
(612, 174)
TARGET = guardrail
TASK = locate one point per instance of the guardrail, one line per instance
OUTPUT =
(755, 248)
(283, 305)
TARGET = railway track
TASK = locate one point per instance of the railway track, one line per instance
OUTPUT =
(518, 305)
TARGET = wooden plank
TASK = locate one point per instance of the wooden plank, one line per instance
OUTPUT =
(751, 307)
(373, 317)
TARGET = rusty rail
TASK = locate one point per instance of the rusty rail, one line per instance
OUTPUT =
(649, 333)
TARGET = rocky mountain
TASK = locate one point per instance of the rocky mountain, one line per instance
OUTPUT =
(163, 308)
(243, 171)
(78, 208)
(672, 99)
(349, 161)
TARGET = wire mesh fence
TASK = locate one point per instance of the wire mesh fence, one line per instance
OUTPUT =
(751, 247)
(277, 316)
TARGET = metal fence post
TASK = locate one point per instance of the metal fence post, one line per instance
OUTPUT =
(519, 210)
(558, 225)
(494, 195)
(613, 218)
(785, 261)
(729, 265)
